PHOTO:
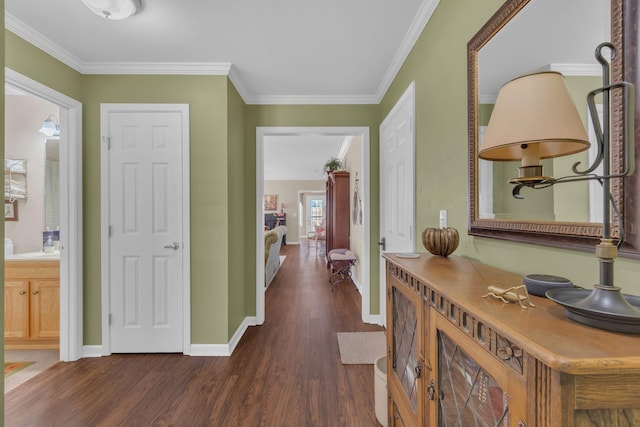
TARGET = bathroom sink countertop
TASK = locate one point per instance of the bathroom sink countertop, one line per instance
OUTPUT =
(34, 256)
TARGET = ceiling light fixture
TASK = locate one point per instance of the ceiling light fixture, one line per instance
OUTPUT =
(50, 127)
(113, 9)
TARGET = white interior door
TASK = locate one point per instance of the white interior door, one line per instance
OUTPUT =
(146, 240)
(397, 213)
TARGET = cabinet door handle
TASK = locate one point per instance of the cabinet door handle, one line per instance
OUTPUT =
(23, 292)
(431, 390)
(35, 292)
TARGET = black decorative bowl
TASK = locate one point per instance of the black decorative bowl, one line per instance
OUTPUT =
(539, 284)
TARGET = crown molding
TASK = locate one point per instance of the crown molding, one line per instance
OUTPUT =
(179, 68)
(27, 33)
(415, 29)
(593, 70)
(311, 99)
(567, 70)
(240, 86)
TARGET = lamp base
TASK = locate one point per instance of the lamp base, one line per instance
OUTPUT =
(603, 307)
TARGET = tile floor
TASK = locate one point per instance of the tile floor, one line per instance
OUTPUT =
(43, 359)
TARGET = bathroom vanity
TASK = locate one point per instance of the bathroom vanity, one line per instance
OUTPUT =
(32, 302)
(456, 358)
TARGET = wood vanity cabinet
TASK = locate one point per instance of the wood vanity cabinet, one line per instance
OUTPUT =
(478, 361)
(32, 304)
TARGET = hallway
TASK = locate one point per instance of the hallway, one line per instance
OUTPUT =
(286, 372)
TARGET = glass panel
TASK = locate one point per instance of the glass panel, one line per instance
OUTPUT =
(469, 396)
(317, 213)
(405, 347)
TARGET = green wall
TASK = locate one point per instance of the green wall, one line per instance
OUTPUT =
(222, 135)
(240, 305)
(207, 99)
(210, 160)
(438, 64)
(30, 61)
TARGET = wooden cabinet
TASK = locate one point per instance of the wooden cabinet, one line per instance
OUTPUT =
(32, 304)
(337, 230)
(478, 361)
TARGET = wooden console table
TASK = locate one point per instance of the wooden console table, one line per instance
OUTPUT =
(455, 358)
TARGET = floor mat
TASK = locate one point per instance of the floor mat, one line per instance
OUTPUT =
(361, 348)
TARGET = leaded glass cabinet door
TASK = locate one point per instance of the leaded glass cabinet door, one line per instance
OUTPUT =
(473, 388)
(405, 344)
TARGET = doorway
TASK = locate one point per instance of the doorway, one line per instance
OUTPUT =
(69, 208)
(265, 132)
(314, 212)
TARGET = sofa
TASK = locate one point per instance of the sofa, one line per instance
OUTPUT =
(272, 242)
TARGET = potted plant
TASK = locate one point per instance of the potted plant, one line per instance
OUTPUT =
(332, 164)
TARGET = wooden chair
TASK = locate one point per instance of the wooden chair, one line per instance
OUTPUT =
(318, 238)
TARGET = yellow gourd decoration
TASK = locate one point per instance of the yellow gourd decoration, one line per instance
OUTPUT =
(440, 241)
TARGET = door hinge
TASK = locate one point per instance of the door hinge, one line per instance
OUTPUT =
(109, 231)
(109, 319)
(107, 140)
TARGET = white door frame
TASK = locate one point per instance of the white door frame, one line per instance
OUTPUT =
(408, 97)
(261, 133)
(70, 211)
(105, 110)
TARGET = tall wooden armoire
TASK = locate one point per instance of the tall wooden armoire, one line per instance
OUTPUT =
(337, 211)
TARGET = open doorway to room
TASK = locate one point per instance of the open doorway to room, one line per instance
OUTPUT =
(292, 205)
(43, 225)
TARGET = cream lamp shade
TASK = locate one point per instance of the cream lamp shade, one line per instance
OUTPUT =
(533, 118)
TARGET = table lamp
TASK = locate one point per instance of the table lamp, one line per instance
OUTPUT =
(535, 118)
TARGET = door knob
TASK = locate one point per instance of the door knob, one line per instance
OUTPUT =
(383, 243)
(174, 246)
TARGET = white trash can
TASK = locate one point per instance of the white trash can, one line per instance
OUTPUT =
(380, 389)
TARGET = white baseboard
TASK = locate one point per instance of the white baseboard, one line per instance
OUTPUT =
(223, 349)
(210, 350)
(375, 319)
(92, 351)
(196, 349)
(357, 283)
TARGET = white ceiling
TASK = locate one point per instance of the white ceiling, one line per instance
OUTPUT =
(300, 157)
(287, 51)
(275, 51)
(545, 35)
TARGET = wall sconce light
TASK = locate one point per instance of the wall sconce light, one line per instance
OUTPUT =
(113, 9)
(534, 118)
(50, 127)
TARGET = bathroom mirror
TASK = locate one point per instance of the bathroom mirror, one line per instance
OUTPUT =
(525, 36)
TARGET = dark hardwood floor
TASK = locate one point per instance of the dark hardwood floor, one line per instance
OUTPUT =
(286, 372)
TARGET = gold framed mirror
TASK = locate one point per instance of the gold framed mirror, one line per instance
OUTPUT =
(564, 216)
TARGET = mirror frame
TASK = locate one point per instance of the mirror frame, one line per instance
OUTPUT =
(580, 236)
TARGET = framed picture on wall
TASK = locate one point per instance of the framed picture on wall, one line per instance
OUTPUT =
(270, 202)
(10, 210)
